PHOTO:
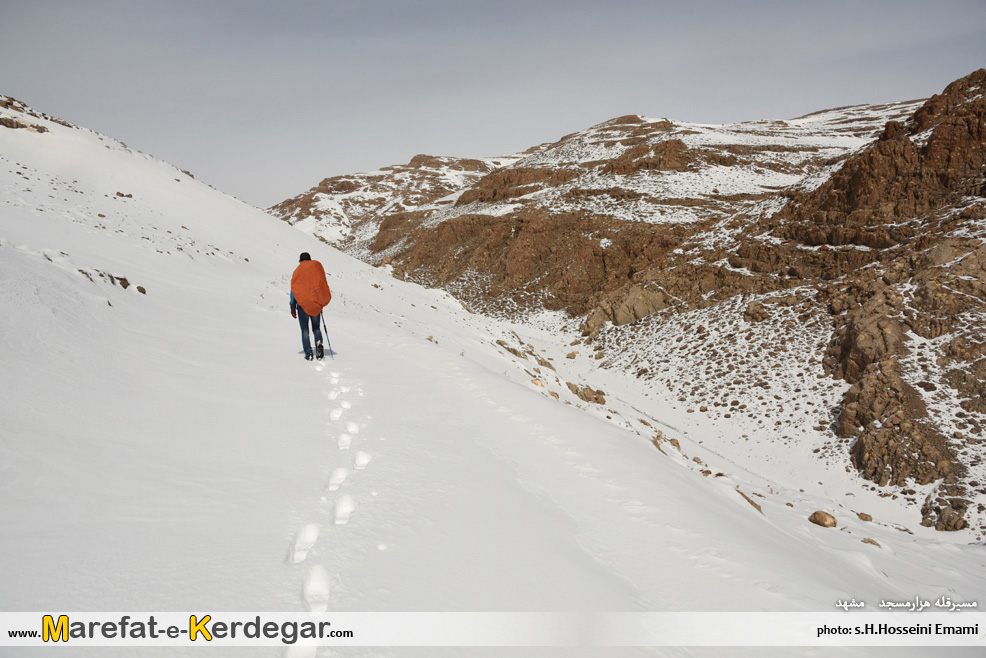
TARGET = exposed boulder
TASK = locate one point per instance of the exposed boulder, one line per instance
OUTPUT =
(587, 393)
(823, 519)
(631, 304)
(755, 312)
(944, 513)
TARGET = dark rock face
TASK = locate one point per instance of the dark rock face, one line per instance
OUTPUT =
(898, 177)
(537, 252)
(514, 182)
(900, 199)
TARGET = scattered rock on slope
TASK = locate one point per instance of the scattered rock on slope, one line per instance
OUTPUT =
(823, 519)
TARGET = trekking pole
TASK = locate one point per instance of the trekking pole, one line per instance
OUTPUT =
(328, 342)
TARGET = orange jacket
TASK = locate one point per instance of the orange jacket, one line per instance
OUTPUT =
(310, 289)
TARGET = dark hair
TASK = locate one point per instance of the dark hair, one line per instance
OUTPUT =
(304, 256)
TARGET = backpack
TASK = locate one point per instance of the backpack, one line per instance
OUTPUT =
(311, 290)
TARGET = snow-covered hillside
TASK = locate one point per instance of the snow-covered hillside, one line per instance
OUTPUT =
(630, 169)
(816, 282)
(347, 209)
(164, 445)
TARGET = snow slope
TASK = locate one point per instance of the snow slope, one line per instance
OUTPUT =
(170, 449)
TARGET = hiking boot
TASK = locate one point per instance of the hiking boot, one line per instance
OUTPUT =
(308, 357)
(319, 353)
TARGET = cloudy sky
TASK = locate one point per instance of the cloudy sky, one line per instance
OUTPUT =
(264, 99)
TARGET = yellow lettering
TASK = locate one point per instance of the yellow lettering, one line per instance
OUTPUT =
(52, 632)
(195, 627)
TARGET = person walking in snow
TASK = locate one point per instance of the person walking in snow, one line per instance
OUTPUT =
(309, 295)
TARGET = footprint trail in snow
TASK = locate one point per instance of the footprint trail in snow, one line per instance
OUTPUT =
(316, 588)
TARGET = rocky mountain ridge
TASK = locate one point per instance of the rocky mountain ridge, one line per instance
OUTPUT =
(827, 271)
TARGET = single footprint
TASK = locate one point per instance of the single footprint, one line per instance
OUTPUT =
(338, 477)
(345, 404)
(345, 441)
(334, 380)
(316, 589)
(362, 459)
(303, 543)
(344, 508)
(352, 428)
(336, 414)
(334, 394)
(334, 374)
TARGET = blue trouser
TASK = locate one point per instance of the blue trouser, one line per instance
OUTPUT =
(303, 319)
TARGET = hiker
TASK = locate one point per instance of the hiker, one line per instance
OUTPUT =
(309, 295)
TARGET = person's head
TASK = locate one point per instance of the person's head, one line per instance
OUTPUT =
(304, 256)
